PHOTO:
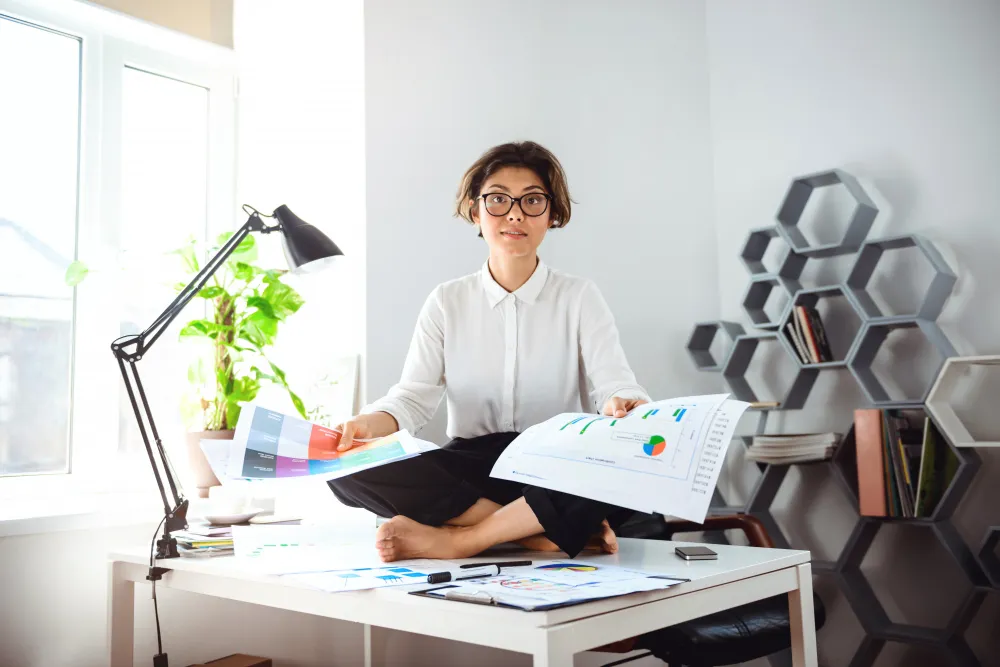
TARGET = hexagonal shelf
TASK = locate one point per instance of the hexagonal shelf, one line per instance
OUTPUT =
(795, 203)
(766, 491)
(964, 464)
(734, 373)
(871, 252)
(867, 605)
(755, 250)
(988, 556)
(939, 399)
(700, 344)
(862, 355)
(839, 333)
(757, 294)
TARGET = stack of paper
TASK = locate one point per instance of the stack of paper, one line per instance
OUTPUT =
(792, 448)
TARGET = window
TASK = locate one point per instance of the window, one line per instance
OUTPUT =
(39, 157)
(120, 146)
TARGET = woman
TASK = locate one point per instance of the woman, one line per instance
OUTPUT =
(510, 346)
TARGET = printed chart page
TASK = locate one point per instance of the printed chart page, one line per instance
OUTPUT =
(269, 445)
(662, 457)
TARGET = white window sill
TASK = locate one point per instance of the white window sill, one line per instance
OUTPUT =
(83, 512)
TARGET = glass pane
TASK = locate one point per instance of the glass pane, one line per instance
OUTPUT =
(164, 203)
(39, 139)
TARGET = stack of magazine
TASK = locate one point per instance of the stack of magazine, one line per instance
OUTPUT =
(792, 448)
(217, 541)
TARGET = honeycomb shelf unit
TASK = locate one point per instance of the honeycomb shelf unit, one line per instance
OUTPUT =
(980, 567)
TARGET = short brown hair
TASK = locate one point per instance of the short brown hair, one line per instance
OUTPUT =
(526, 154)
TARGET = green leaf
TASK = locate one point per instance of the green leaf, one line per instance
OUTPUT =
(188, 256)
(75, 273)
(244, 389)
(246, 251)
(244, 272)
(283, 298)
(197, 328)
(211, 292)
(278, 372)
(297, 402)
(260, 329)
(232, 414)
(261, 304)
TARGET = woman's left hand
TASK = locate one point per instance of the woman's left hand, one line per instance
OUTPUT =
(619, 407)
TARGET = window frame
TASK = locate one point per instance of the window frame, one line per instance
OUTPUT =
(110, 42)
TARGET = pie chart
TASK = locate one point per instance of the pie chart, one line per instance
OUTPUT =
(573, 567)
(655, 446)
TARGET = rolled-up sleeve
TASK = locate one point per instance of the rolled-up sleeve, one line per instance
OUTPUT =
(607, 369)
(413, 400)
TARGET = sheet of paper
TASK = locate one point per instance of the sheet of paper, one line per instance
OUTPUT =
(662, 457)
(554, 583)
(217, 454)
(306, 548)
(269, 445)
(364, 578)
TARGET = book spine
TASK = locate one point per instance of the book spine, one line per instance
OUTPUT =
(871, 476)
(825, 353)
(793, 336)
(807, 334)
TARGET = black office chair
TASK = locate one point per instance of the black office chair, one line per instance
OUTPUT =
(728, 637)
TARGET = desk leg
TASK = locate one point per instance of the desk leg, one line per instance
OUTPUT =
(803, 620)
(121, 616)
(368, 645)
(548, 657)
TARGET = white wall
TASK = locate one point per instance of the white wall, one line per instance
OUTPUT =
(905, 95)
(617, 91)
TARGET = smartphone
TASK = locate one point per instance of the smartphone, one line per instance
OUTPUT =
(695, 553)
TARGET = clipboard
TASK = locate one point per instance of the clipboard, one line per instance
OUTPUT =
(460, 593)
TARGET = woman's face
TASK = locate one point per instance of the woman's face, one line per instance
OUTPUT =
(519, 231)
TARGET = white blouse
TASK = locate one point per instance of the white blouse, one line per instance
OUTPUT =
(509, 360)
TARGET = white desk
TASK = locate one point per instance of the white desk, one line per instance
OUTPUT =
(739, 576)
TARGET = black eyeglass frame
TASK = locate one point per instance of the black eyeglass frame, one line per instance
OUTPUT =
(545, 195)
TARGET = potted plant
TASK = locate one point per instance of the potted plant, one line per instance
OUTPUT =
(247, 304)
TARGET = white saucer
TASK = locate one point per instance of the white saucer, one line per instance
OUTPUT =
(227, 519)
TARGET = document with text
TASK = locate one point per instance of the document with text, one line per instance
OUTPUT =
(662, 457)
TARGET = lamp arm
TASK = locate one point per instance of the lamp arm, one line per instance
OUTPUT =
(130, 349)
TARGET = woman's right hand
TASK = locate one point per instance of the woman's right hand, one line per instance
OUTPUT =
(365, 427)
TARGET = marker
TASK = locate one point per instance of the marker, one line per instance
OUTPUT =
(491, 570)
(499, 563)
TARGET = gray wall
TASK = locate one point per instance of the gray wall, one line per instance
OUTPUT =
(904, 95)
(618, 91)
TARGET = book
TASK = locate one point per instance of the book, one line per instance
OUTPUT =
(870, 462)
(807, 334)
(793, 335)
(816, 324)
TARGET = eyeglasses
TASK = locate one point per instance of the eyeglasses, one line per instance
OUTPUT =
(532, 204)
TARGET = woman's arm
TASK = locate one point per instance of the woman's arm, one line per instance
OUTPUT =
(608, 373)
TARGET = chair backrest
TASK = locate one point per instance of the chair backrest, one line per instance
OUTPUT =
(754, 530)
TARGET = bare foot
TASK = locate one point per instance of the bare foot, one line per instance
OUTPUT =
(538, 543)
(605, 540)
(400, 538)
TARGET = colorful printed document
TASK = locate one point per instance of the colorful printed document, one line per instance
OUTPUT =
(662, 457)
(553, 584)
(269, 445)
(365, 578)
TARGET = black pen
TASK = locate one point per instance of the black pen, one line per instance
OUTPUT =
(499, 563)
(488, 570)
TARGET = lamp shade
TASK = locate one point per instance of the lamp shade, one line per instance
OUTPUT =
(304, 245)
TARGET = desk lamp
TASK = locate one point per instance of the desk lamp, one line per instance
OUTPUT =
(306, 249)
